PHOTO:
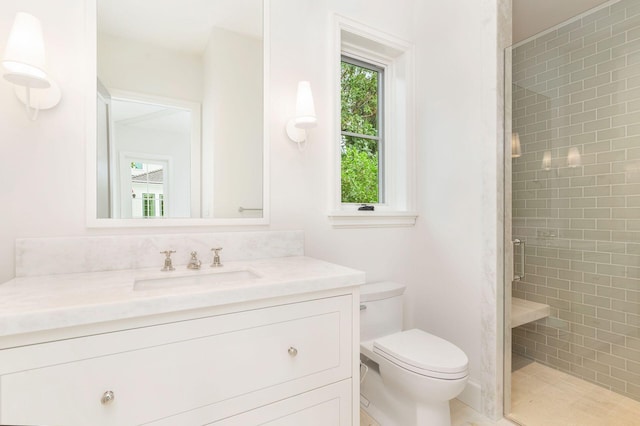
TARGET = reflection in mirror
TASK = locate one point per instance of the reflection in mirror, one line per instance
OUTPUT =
(152, 143)
(180, 109)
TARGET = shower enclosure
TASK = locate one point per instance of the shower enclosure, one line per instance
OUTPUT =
(575, 180)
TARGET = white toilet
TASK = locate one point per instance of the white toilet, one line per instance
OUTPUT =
(409, 376)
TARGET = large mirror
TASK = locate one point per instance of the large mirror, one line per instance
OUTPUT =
(180, 112)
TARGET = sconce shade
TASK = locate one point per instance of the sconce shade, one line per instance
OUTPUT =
(305, 110)
(546, 160)
(24, 57)
(305, 117)
(516, 150)
(573, 157)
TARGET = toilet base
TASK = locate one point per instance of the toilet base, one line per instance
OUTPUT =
(389, 408)
(434, 414)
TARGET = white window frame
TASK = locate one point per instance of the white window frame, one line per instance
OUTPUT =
(395, 56)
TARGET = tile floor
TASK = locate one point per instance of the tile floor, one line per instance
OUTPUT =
(542, 396)
(461, 415)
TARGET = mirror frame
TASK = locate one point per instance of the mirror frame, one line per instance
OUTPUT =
(92, 221)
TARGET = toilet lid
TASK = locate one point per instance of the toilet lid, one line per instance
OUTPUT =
(423, 353)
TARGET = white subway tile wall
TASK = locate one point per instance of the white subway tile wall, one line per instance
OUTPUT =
(576, 100)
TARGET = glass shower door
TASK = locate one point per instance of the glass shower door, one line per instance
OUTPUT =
(576, 206)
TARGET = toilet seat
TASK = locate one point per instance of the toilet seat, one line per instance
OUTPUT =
(423, 353)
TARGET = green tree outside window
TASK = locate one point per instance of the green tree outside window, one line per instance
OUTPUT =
(360, 132)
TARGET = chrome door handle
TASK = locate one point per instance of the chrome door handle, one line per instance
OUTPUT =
(521, 244)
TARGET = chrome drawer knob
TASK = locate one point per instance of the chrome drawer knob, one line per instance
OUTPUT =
(292, 351)
(107, 397)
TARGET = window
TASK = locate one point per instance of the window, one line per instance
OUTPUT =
(148, 205)
(146, 182)
(362, 138)
(374, 146)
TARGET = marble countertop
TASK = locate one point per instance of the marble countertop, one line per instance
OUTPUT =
(29, 304)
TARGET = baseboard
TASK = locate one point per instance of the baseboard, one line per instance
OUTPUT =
(472, 396)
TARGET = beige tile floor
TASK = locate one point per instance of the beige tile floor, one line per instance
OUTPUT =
(542, 396)
(461, 415)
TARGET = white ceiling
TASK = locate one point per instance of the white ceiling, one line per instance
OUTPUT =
(183, 25)
(151, 117)
(186, 24)
(533, 16)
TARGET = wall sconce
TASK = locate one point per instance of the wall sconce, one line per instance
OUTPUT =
(516, 150)
(573, 157)
(305, 117)
(24, 64)
(546, 161)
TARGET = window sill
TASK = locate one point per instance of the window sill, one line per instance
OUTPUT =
(374, 219)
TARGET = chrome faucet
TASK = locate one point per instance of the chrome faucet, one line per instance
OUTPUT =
(168, 266)
(194, 263)
(216, 257)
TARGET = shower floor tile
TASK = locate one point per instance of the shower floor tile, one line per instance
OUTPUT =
(542, 396)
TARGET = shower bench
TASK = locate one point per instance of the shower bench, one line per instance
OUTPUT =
(525, 311)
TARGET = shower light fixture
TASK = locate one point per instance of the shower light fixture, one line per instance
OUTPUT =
(573, 157)
(24, 64)
(546, 160)
(305, 117)
(516, 150)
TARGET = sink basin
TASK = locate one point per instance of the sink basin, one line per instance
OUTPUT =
(194, 278)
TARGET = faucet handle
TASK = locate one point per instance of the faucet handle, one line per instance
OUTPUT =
(168, 266)
(216, 257)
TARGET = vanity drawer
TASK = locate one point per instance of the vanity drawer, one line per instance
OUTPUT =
(273, 351)
(327, 406)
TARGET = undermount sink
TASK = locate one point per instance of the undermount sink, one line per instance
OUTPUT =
(194, 278)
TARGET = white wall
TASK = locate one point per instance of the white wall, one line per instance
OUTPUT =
(144, 68)
(42, 165)
(302, 49)
(456, 246)
(450, 259)
(446, 260)
(232, 112)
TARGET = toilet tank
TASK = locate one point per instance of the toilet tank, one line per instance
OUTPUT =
(380, 309)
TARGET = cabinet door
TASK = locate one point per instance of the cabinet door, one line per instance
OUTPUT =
(327, 406)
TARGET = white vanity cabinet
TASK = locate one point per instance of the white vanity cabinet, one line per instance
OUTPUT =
(288, 362)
